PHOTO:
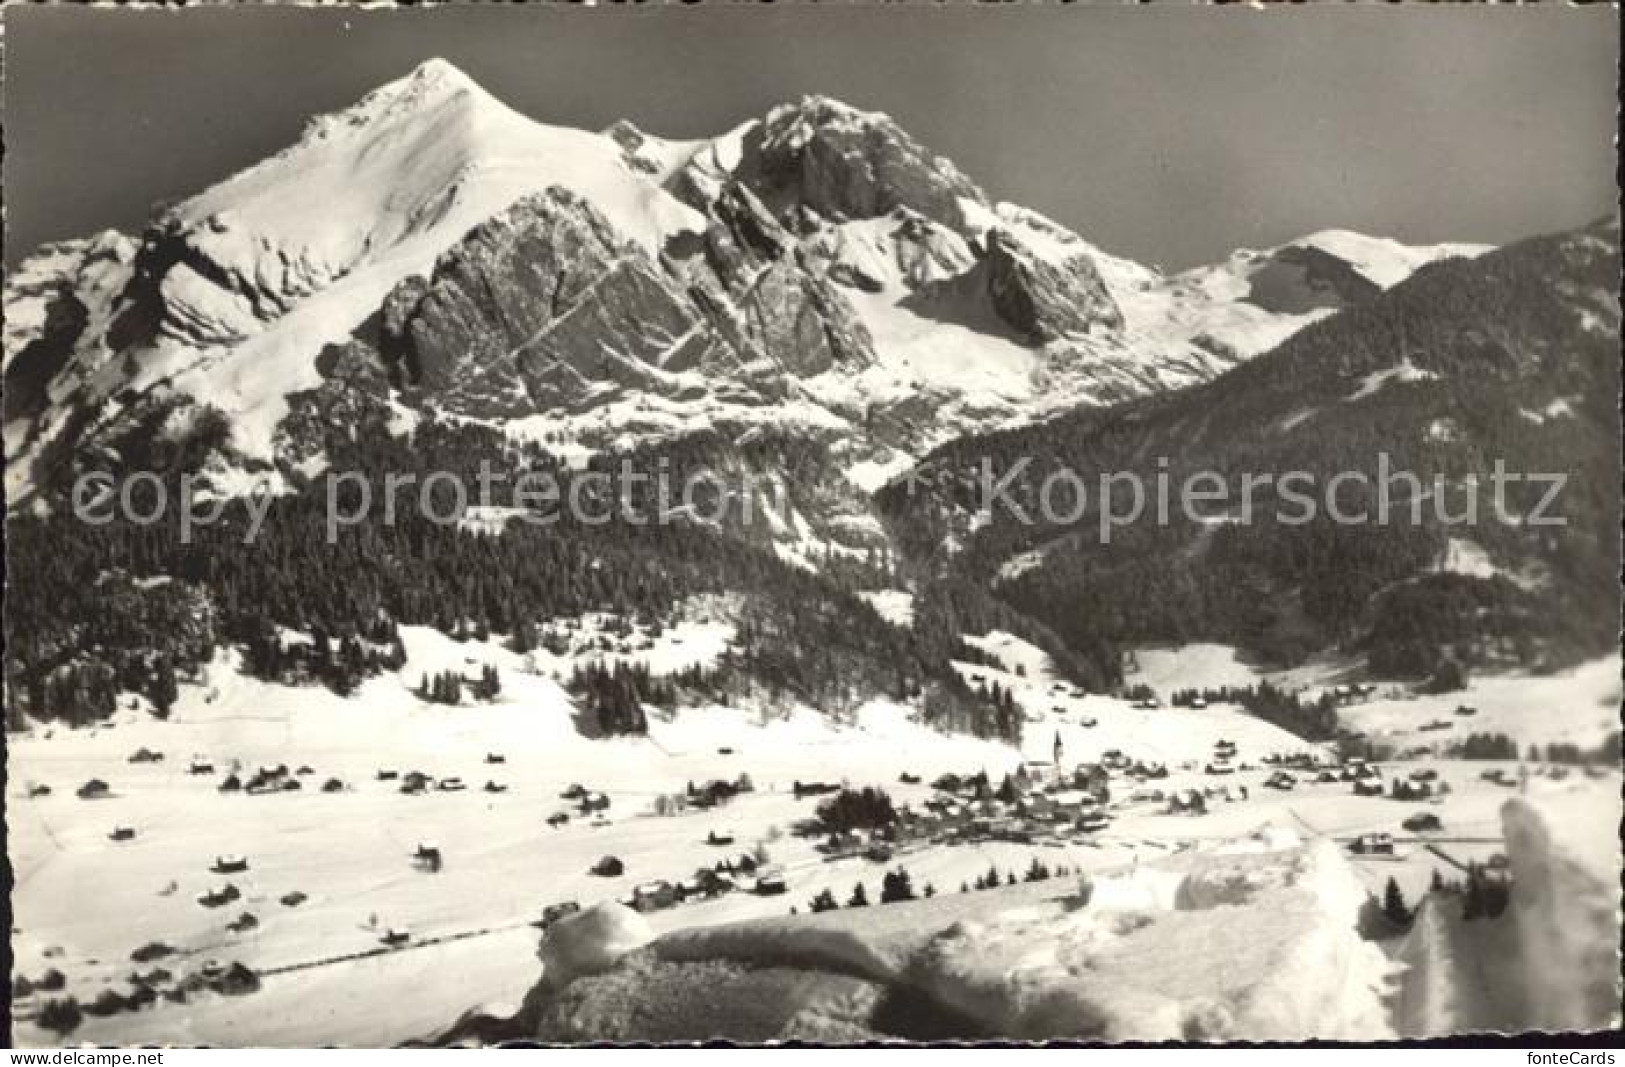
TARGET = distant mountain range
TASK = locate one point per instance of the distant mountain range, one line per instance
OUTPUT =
(428, 277)
(817, 267)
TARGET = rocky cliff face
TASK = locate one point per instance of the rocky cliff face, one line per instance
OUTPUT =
(758, 284)
(841, 163)
(1039, 300)
(1294, 280)
(544, 306)
(1046, 301)
(58, 303)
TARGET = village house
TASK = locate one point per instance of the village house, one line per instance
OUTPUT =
(771, 883)
(1373, 844)
(218, 895)
(654, 896)
(1091, 821)
(1187, 802)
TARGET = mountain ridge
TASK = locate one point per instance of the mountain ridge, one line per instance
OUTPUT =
(233, 294)
(1506, 359)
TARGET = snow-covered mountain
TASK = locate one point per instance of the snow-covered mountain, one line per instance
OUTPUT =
(1504, 362)
(431, 250)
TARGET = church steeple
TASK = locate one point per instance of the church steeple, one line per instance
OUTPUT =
(1059, 751)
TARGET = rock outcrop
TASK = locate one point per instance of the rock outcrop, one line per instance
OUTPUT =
(756, 283)
(1045, 301)
(539, 308)
(1295, 280)
(847, 164)
(1037, 299)
(58, 301)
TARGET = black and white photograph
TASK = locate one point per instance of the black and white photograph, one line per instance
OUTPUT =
(833, 523)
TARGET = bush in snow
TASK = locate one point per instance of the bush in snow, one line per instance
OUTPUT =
(824, 901)
(854, 809)
(1393, 906)
(61, 1016)
(897, 885)
(152, 950)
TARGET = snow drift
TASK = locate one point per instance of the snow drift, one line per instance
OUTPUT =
(1254, 939)
(1550, 961)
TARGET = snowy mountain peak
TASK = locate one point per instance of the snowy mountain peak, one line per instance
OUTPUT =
(431, 82)
(437, 71)
(1383, 261)
(424, 130)
(818, 111)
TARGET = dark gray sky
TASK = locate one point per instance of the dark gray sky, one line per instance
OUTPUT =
(1168, 134)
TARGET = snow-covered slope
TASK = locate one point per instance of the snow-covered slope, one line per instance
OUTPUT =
(1255, 299)
(245, 283)
(1250, 939)
(311, 240)
(1381, 260)
(399, 176)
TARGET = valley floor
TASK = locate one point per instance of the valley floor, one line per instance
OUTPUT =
(84, 902)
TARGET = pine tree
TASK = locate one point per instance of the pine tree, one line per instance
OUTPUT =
(824, 901)
(1393, 906)
(164, 690)
(896, 886)
(524, 637)
(1473, 904)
